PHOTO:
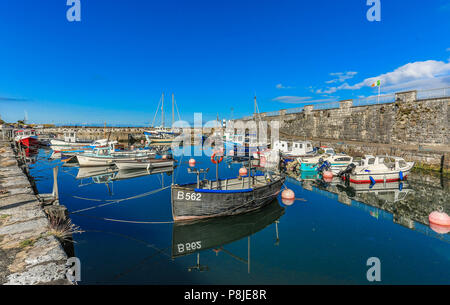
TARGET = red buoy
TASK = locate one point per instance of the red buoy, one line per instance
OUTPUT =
(243, 171)
(192, 162)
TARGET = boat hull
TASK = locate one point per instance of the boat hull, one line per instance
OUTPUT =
(377, 178)
(61, 143)
(335, 167)
(190, 203)
(103, 161)
(29, 141)
(146, 164)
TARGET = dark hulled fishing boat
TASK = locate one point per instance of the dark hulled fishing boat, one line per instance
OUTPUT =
(191, 237)
(224, 197)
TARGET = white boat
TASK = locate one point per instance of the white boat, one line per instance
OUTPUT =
(380, 169)
(144, 164)
(331, 161)
(71, 140)
(294, 149)
(102, 156)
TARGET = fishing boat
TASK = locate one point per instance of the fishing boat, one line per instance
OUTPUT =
(148, 164)
(26, 137)
(102, 156)
(224, 197)
(71, 140)
(379, 169)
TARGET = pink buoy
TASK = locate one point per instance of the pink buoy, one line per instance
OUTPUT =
(439, 218)
(328, 180)
(440, 229)
(243, 171)
(327, 175)
(287, 201)
(192, 162)
(288, 197)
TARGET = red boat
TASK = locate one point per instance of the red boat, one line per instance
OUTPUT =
(27, 137)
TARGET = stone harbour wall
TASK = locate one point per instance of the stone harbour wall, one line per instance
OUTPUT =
(29, 253)
(417, 129)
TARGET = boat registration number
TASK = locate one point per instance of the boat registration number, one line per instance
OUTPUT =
(189, 196)
(196, 245)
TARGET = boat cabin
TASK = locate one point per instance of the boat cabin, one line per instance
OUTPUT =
(393, 163)
(70, 137)
(294, 148)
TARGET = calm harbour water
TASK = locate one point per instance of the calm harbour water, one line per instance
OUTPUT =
(325, 237)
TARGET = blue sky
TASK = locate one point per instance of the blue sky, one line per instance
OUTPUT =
(213, 55)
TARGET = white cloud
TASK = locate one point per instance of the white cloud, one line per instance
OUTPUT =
(416, 75)
(281, 86)
(341, 77)
(300, 100)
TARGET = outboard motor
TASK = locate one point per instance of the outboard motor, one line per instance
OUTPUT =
(346, 173)
(348, 170)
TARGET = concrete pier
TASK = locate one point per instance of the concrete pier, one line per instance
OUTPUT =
(29, 253)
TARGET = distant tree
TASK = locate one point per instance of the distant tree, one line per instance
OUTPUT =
(20, 122)
(2, 122)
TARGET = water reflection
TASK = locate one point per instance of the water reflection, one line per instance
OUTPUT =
(193, 237)
(407, 203)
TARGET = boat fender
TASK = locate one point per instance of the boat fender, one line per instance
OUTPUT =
(372, 180)
(400, 175)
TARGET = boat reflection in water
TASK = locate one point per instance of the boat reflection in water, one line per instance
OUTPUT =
(396, 201)
(193, 237)
(107, 175)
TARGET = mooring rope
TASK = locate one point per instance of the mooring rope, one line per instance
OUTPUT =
(112, 201)
(127, 221)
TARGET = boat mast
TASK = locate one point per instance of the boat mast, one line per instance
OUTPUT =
(162, 112)
(173, 108)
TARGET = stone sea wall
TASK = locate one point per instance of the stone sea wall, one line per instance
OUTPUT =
(417, 129)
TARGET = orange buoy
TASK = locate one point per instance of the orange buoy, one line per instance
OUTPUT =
(288, 197)
(327, 175)
(164, 157)
(243, 171)
(439, 218)
(192, 162)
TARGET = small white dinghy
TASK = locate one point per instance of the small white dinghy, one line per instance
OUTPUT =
(144, 163)
(104, 156)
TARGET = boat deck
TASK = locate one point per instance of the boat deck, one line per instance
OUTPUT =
(232, 184)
